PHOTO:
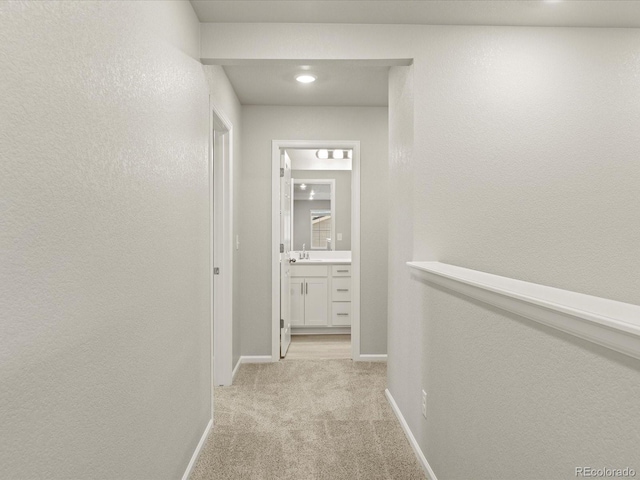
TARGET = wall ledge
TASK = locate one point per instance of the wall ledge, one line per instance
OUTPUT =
(612, 324)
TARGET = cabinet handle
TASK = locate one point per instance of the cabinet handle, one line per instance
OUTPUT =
(343, 289)
(343, 271)
(306, 288)
(343, 314)
(301, 289)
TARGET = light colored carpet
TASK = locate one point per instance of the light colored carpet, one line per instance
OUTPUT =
(306, 419)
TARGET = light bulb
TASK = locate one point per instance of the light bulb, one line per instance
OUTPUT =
(306, 78)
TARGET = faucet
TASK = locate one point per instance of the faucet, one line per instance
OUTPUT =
(304, 254)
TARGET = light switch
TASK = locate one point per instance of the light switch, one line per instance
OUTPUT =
(339, 236)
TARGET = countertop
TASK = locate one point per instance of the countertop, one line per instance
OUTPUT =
(323, 261)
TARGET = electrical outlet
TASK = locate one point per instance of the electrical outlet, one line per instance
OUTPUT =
(339, 237)
(424, 404)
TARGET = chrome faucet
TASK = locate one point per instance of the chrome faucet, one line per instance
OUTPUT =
(304, 254)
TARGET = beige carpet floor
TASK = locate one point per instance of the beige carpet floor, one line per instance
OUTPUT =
(306, 419)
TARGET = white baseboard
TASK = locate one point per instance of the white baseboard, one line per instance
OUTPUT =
(235, 369)
(196, 453)
(370, 357)
(412, 440)
(255, 359)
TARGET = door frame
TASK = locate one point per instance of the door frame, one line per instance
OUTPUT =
(221, 250)
(276, 146)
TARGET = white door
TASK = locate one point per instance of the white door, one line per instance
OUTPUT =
(297, 301)
(315, 301)
(285, 255)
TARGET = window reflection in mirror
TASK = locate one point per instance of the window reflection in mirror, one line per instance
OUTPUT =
(320, 229)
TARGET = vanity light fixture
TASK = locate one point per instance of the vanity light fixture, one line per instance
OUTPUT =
(306, 78)
(322, 154)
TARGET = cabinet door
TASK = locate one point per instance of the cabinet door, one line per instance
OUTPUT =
(297, 301)
(315, 303)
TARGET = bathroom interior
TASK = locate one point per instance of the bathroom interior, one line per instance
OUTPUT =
(320, 257)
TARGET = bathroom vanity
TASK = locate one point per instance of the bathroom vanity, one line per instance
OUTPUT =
(320, 294)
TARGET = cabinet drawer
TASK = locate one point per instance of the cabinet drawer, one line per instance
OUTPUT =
(341, 313)
(309, 270)
(341, 270)
(341, 289)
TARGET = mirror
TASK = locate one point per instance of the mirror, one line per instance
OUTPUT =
(313, 217)
(321, 201)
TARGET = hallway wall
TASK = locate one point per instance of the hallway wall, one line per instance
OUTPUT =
(513, 151)
(104, 298)
(261, 125)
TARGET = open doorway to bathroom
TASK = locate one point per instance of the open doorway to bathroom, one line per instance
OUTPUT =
(316, 267)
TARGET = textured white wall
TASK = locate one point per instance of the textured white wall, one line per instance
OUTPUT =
(526, 166)
(513, 151)
(261, 125)
(104, 299)
(224, 98)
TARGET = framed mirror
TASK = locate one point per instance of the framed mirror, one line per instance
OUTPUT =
(313, 214)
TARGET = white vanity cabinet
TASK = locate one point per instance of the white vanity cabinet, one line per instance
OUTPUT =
(309, 300)
(320, 295)
(309, 292)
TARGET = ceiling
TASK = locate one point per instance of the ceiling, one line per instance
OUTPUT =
(337, 85)
(351, 85)
(570, 13)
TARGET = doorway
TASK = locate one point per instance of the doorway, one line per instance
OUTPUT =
(317, 261)
(221, 256)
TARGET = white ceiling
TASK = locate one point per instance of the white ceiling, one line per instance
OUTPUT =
(572, 13)
(337, 85)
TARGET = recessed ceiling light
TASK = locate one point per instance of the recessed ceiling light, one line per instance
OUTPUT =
(306, 78)
(303, 186)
